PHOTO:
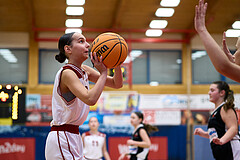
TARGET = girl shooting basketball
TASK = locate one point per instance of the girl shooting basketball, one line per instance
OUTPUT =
(223, 61)
(72, 96)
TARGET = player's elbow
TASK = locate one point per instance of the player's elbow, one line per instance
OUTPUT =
(118, 86)
(91, 101)
(148, 145)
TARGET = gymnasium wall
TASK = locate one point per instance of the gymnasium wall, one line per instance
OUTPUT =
(24, 40)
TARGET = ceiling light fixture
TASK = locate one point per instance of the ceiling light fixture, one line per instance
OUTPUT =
(74, 23)
(153, 33)
(236, 25)
(70, 30)
(169, 3)
(75, 2)
(233, 33)
(164, 12)
(74, 11)
(8, 55)
(158, 24)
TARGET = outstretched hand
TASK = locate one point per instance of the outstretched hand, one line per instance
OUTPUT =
(98, 63)
(198, 131)
(226, 50)
(200, 14)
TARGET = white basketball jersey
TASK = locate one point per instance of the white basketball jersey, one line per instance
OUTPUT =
(67, 108)
(93, 144)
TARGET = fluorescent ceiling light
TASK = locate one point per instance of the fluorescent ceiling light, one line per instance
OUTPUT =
(169, 3)
(70, 30)
(164, 12)
(233, 33)
(153, 33)
(179, 61)
(198, 54)
(75, 2)
(74, 11)
(158, 24)
(134, 54)
(153, 83)
(73, 23)
(8, 55)
(236, 25)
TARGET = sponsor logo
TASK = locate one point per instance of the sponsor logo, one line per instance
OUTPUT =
(101, 50)
(11, 148)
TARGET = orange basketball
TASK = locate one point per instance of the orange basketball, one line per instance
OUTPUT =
(112, 47)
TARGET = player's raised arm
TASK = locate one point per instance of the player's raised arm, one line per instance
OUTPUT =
(219, 59)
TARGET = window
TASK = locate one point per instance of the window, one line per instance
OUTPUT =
(156, 67)
(139, 68)
(165, 67)
(203, 71)
(48, 66)
(14, 66)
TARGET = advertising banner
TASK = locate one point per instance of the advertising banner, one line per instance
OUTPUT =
(158, 150)
(160, 117)
(17, 148)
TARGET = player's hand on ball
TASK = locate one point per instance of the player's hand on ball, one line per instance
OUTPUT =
(98, 63)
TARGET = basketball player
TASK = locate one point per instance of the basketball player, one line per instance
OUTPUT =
(72, 96)
(223, 124)
(94, 142)
(223, 61)
(140, 142)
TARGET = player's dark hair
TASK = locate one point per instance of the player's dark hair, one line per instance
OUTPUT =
(228, 98)
(148, 127)
(66, 39)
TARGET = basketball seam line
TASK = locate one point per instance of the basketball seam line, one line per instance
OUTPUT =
(120, 52)
(104, 42)
(110, 51)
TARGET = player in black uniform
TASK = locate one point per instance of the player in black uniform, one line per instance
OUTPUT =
(222, 124)
(140, 142)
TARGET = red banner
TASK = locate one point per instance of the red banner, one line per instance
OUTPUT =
(17, 148)
(158, 149)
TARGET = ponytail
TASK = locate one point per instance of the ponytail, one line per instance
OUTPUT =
(148, 127)
(61, 57)
(229, 100)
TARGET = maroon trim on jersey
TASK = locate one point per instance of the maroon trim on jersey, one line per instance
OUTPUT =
(69, 145)
(66, 127)
(74, 70)
(60, 145)
(76, 67)
(87, 133)
(58, 89)
(98, 134)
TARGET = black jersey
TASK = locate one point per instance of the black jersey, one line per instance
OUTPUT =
(138, 153)
(217, 128)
